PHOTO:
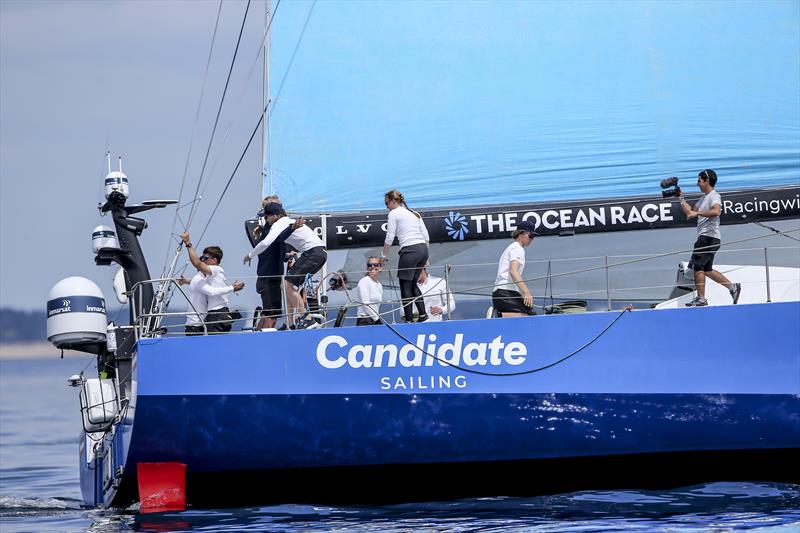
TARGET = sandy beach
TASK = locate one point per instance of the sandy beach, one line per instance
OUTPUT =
(34, 350)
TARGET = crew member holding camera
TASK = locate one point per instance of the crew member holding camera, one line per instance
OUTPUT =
(707, 210)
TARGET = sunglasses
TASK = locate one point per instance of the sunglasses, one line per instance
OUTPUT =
(204, 258)
(373, 265)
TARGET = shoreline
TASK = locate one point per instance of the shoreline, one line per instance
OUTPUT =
(34, 350)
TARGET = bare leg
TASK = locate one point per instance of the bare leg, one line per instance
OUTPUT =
(506, 314)
(266, 322)
(292, 297)
(719, 278)
(700, 283)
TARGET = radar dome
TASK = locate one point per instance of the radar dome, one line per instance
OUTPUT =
(76, 313)
(116, 182)
(104, 237)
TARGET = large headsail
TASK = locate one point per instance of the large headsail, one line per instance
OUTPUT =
(482, 103)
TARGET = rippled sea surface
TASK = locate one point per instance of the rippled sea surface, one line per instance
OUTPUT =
(39, 490)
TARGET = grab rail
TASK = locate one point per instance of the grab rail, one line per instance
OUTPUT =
(148, 323)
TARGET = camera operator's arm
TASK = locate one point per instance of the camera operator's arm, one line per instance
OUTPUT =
(715, 211)
(513, 271)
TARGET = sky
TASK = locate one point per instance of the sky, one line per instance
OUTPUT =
(453, 102)
(79, 78)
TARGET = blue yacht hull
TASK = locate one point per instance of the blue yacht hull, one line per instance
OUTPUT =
(339, 402)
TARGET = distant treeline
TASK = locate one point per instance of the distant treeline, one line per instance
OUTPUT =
(31, 326)
(22, 326)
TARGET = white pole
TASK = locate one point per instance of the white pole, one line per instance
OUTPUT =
(324, 224)
(108, 160)
(266, 146)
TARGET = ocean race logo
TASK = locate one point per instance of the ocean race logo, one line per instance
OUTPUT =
(456, 226)
(335, 352)
(475, 223)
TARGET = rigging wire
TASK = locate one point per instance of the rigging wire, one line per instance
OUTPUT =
(191, 141)
(233, 174)
(779, 232)
(268, 108)
(240, 99)
(219, 111)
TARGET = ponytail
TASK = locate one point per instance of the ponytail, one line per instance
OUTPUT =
(396, 196)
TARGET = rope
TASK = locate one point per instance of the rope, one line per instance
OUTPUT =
(511, 374)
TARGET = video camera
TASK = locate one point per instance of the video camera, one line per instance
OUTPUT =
(338, 281)
(668, 192)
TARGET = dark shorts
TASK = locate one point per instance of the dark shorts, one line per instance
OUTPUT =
(506, 301)
(703, 260)
(195, 330)
(218, 320)
(270, 291)
(412, 261)
(309, 262)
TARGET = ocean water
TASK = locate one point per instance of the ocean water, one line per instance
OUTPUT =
(39, 490)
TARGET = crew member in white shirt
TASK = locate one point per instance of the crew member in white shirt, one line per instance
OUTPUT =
(438, 300)
(511, 296)
(305, 241)
(215, 287)
(370, 294)
(411, 233)
(196, 314)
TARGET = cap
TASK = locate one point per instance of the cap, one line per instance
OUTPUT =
(528, 226)
(271, 209)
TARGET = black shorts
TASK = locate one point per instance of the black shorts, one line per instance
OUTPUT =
(270, 291)
(195, 330)
(309, 262)
(218, 321)
(703, 260)
(412, 261)
(506, 301)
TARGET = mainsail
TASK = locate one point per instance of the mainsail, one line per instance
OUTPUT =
(489, 103)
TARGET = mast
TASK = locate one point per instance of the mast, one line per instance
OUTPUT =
(266, 146)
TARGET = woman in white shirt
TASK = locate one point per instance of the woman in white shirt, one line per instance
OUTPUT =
(370, 294)
(411, 233)
(511, 296)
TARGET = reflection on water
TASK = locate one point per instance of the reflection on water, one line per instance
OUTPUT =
(39, 489)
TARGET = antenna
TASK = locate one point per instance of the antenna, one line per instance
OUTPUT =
(108, 158)
(120, 163)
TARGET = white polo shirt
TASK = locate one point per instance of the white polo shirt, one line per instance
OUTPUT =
(514, 252)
